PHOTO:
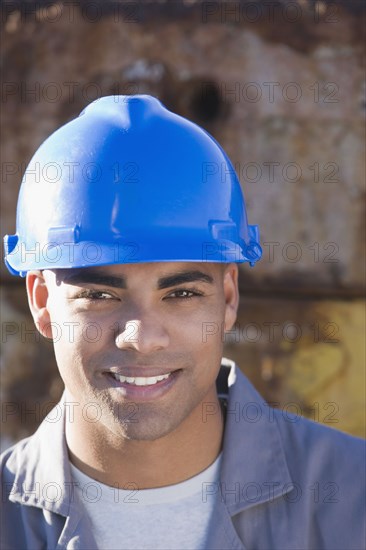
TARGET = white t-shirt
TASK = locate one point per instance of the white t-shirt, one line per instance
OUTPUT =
(175, 517)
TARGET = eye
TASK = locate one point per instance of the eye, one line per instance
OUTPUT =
(184, 294)
(95, 295)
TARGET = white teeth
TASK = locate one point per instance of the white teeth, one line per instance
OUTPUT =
(141, 380)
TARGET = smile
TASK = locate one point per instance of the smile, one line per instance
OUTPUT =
(141, 380)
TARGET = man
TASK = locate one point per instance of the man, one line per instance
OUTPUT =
(129, 240)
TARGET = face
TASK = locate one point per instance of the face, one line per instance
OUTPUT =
(142, 342)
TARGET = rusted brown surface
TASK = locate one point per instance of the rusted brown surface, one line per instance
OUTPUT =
(208, 67)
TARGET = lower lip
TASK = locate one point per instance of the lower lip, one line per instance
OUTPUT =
(144, 393)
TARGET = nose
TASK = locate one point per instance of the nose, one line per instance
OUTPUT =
(145, 336)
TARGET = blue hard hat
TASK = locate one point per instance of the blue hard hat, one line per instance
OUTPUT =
(128, 181)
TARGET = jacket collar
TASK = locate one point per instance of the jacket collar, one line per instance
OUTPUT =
(43, 475)
(254, 468)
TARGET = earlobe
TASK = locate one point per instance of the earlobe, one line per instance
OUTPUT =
(37, 292)
(231, 295)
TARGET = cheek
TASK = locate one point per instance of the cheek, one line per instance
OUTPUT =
(76, 341)
(195, 326)
(212, 326)
(77, 358)
(201, 334)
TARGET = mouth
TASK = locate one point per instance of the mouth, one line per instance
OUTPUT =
(143, 388)
(141, 380)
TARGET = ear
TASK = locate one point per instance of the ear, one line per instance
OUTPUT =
(37, 292)
(231, 293)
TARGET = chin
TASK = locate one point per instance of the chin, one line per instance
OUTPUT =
(147, 427)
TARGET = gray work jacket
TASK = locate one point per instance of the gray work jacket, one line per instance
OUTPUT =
(285, 483)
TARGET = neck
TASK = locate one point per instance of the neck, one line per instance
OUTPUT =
(118, 461)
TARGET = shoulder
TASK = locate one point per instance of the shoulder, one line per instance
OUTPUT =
(12, 458)
(311, 452)
(316, 450)
(299, 430)
(13, 472)
(309, 477)
(12, 533)
(305, 443)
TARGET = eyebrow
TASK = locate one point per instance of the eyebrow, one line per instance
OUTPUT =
(96, 278)
(184, 277)
(168, 281)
